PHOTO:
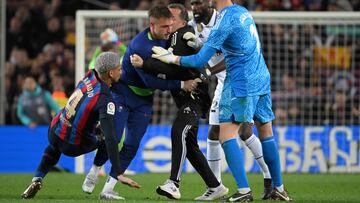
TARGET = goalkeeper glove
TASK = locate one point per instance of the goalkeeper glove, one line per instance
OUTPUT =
(164, 55)
(192, 40)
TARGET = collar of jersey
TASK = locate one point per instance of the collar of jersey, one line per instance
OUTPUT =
(149, 36)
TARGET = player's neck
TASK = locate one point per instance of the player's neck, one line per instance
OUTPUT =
(220, 5)
(208, 17)
(106, 80)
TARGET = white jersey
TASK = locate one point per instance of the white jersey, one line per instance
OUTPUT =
(202, 33)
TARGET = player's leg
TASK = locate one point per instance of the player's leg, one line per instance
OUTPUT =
(263, 120)
(49, 159)
(179, 131)
(254, 144)
(215, 189)
(233, 153)
(120, 119)
(137, 123)
(213, 148)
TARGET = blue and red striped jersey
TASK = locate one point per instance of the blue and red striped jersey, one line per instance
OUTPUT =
(90, 101)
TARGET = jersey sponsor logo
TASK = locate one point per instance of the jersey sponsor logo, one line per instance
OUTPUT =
(110, 108)
(187, 110)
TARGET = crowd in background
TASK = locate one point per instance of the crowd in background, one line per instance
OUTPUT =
(40, 42)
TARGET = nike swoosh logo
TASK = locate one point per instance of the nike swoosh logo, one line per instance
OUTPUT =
(237, 198)
(286, 198)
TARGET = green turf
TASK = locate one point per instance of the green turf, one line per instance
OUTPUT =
(64, 187)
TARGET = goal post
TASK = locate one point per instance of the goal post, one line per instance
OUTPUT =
(81, 35)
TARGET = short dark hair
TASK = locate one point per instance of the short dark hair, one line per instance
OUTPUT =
(159, 11)
(183, 12)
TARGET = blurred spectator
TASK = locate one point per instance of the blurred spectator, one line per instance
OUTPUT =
(58, 93)
(16, 37)
(35, 104)
(339, 112)
(109, 42)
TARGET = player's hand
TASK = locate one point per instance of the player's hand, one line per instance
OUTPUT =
(193, 92)
(190, 85)
(128, 181)
(136, 61)
(164, 55)
(192, 40)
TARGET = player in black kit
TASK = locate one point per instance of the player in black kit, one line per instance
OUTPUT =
(191, 107)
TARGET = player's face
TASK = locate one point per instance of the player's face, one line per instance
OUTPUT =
(115, 74)
(200, 9)
(161, 28)
(178, 22)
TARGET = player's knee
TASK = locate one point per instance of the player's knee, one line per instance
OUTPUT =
(245, 130)
(214, 132)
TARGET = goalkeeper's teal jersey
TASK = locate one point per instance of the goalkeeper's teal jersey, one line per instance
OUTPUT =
(236, 36)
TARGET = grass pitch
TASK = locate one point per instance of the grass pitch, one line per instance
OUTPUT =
(65, 187)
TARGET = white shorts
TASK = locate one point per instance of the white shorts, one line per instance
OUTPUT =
(214, 109)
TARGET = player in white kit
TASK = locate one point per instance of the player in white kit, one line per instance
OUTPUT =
(204, 19)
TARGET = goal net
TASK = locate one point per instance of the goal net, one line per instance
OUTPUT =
(314, 60)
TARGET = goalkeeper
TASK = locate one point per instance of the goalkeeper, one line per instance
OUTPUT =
(204, 19)
(246, 95)
(109, 42)
(191, 107)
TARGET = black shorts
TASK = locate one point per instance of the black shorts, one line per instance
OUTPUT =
(88, 143)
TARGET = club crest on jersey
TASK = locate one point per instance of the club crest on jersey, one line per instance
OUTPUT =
(110, 108)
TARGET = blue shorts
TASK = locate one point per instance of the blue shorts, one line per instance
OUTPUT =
(244, 109)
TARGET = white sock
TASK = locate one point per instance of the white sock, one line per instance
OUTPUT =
(280, 188)
(254, 144)
(213, 155)
(244, 190)
(109, 184)
(94, 170)
(36, 179)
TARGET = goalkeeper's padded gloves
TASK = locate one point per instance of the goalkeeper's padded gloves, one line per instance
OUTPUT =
(164, 55)
(192, 40)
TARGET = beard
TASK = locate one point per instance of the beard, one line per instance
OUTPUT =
(199, 17)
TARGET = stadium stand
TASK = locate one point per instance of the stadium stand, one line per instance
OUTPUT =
(40, 41)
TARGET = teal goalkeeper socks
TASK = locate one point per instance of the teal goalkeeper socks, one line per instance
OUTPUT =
(272, 159)
(235, 159)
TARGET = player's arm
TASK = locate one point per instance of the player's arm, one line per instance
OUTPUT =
(155, 67)
(107, 112)
(152, 81)
(217, 36)
(198, 60)
(217, 68)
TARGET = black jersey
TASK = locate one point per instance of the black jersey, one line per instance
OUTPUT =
(199, 96)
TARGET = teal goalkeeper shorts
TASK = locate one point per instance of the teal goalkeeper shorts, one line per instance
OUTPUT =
(244, 109)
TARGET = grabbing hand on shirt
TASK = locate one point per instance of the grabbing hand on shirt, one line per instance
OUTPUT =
(192, 40)
(136, 61)
(164, 55)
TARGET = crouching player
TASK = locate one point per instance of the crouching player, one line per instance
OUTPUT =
(72, 130)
